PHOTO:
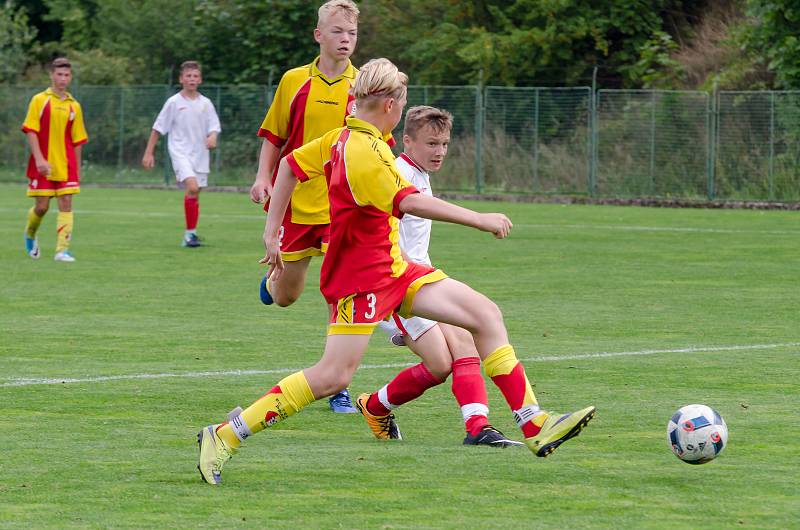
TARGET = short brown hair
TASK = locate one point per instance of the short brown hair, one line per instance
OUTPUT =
(190, 65)
(418, 117)
(60, 62)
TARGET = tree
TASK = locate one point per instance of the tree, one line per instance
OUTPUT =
(16, 40)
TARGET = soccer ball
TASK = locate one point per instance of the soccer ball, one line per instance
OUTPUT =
(697, 434)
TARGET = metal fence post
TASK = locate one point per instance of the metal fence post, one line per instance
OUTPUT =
(714, 135)
(121, 129)
(217, 150)
(594, 99)
(536, 139)
(479, 134)
(771, 166)
(653, 142)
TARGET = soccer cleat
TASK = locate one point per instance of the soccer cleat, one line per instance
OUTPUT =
(341, 403)
(213, 454)
(32, 247)
(266, 298)
(557, 429)
(191, 241)
(64, 256)
(490, 436)
(383, 427)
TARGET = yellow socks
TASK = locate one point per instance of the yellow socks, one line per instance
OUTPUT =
(64, 228)
(288, 397)
(33, 223)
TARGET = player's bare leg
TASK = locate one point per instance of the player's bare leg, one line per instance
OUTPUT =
(333, 372)
(455, 303)
(288, 288)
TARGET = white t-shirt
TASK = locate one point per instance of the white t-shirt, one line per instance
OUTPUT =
(415, 232)
(188, 122)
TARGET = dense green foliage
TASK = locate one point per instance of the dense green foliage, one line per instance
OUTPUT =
(572, 281)
(633, 43)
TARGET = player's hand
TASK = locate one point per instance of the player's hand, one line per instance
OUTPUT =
(273, 259)
(43, 167)
(496, 223)
(211, 142)
(148, 161)
(261, 190)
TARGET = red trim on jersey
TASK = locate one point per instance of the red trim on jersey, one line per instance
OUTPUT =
(410, 161)
(275, 140)
(43, 135)
(76, 144)
(296, 169)
(399, 196)
(391, 142)
(69, 148)
(297, 114)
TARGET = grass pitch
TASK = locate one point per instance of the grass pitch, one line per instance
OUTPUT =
(109, 367)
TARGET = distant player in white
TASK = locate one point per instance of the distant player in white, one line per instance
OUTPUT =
(192, 125)
(426, 136)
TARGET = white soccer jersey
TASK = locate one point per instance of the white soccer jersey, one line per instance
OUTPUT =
(188, 122)
(415, 232)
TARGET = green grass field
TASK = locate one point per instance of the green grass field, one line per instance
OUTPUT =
(109, 367)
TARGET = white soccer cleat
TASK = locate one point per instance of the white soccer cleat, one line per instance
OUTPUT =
(32, 247)
(64, 256)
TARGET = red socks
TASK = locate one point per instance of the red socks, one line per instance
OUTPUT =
(470, 392)
(191, 207)
(406, 386)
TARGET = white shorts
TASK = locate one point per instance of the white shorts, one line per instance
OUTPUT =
(413, 327)
(184, 170)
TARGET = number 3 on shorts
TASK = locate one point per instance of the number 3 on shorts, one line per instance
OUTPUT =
(371, 301)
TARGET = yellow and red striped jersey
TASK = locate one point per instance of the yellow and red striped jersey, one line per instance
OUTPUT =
(58, 124)
(307, 105)
(364, 189)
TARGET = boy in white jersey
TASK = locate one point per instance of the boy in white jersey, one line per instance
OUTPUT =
(426, 136)
(193, 125)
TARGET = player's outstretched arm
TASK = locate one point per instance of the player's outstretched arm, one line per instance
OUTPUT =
(267, 157)
(285, 183)
(148, 160)
(439, 210)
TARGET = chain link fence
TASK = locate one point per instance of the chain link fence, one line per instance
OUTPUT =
(535, 141)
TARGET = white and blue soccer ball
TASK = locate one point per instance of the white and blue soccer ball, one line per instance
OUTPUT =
(697, 434)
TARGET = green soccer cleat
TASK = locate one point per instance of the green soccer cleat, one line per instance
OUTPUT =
(213, 454)
(557, 429)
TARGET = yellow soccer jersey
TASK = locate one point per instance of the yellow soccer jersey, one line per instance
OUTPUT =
(58, 124)
(365, 191)
(307, 105)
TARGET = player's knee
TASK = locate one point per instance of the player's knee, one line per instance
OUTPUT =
(284, 299)
(440, 368)
(41, 210)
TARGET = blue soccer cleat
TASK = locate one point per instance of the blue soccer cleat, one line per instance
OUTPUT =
(32, 247)
(341, 403)
(266, 298)
(191, 240)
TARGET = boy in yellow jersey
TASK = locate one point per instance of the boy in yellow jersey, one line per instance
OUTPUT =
(365, 277)
(55, 131)
(310, 101)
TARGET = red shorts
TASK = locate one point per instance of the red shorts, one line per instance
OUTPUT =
(41, 187)
(301, 241)
(359, 314)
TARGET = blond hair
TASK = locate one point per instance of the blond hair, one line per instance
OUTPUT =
(60, 62)
(348, 8)
(190, 65)
(439, 120)
(379, 78)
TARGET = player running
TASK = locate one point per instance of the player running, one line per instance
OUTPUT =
(310, 100)
(365, 277)
(445, 348)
